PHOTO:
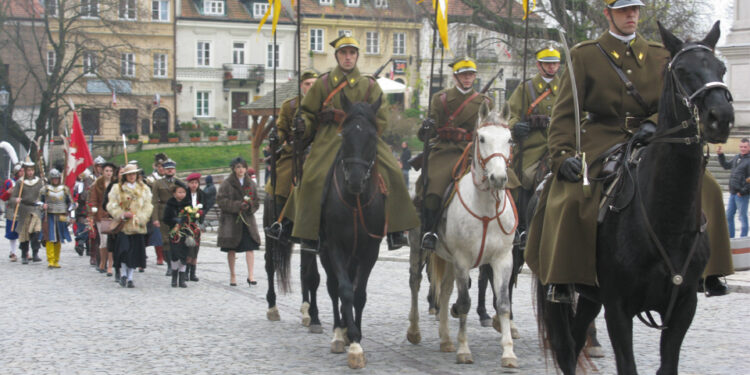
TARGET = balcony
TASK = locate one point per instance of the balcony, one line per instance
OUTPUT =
(246, 72)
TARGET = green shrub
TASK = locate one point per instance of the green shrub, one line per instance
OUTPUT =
(195, 134)
(187, 126)
(213, 133)
(133, 136)
(217, 126)
(154, 136)
(172, 135)
(232, 132)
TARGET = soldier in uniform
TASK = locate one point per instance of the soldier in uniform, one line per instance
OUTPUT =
(161, 191)
(285, 159)
(530, 110)
(561, 247)
(28, 222)
(321, 112)
(57, 202)
(451, 122)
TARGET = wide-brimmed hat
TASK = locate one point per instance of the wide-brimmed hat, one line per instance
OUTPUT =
(128, 169)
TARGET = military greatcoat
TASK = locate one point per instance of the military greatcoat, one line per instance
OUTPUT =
(286, 157)
(531, 149)
(720, 259)
(160, 194)
(304, 205)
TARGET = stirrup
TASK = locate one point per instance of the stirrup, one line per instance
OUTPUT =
(559, 293)
(274, 231)
(429, 241)
(310, 246)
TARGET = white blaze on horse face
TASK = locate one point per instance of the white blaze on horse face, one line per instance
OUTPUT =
(493, 154)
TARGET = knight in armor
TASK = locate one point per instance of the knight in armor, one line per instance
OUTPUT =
(561, 246)
(10, 208)
(530, 109)
(449, 127)
(99, 166)
(321, 114)
(28, 222)
(56, 204)
(161, 191)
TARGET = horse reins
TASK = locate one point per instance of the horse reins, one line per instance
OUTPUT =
(357, 212)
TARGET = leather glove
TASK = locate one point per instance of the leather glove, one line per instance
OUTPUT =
(521, 131)
(427, 130)
(644, 133)
(299, 126)
(570, 170)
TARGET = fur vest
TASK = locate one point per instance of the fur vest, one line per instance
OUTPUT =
(123, 198)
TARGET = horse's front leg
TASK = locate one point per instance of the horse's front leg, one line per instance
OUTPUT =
(310, 282)
(586, 312)
(273, 311)
(502, 268)
(445, 285)
(485, 275)
(415, 279)
(671, 338)
(620, 328)
(461, 309)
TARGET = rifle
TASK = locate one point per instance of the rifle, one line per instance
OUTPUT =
(377, 72)
(489, 84)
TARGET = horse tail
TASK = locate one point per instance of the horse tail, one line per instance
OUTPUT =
(281, 254)
(554, 322)
(437, 265)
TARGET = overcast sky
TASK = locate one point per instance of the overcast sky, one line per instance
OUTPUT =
(722, 10)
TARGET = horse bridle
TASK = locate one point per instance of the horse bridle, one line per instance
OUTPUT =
(688, 100)
(359, 161)
(482, 161)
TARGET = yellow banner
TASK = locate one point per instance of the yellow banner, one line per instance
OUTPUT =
(275, 6)
(526, 9)
(441, 11)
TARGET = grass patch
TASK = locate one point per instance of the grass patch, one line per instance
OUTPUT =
(190, 158)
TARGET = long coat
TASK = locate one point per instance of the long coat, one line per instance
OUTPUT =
(286, 157)
(136, 199)
(229, 199)
(96, 200)
(160, 194)
(720, 259)
(304, 205)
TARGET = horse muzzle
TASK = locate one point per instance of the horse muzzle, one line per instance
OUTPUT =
(717, 121)
(497, 181)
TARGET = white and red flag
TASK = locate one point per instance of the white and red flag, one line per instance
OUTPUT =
(114, 97)
(78, 154)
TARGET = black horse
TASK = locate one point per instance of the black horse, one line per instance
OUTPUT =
(651, 254)
(352, 225)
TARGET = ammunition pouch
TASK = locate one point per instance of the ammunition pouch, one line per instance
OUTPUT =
(454, 134)
(331, 115)
(538, 122)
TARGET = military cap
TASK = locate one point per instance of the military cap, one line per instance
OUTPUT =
(345, 40)
(99, 160)
(617, 4)
(463, 64)
(308, 74)
(169, 163)
(548, 54)
(54, 173)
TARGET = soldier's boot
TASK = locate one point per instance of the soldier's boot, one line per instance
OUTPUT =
(430, 237)
(714, 287)
(25, 252)
(396, 240)
(560, 293)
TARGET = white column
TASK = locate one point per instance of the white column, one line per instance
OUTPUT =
(737, 52)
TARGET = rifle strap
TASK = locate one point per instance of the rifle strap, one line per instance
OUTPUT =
(537, 101)
(460, 108)
(632, 91)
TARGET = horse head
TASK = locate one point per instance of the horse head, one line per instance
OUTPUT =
(492, 149)
(696, 78)
(359, 146)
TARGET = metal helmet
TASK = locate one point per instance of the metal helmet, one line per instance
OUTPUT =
(99, 160)
(54, 173)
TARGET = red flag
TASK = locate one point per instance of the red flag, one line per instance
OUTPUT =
(79, 157)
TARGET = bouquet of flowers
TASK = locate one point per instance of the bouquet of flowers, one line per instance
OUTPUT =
(188, 226)
(248, 199)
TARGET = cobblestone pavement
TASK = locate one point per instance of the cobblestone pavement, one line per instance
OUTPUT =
(74, 320)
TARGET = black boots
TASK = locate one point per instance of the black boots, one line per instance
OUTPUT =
(182, 280)
(560, 293)
(191, 272)
(25, 252)
(713, 287)
(174, 279)
(430, 238)
(396, 240)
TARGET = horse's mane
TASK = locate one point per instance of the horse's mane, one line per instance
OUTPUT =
(359, 110)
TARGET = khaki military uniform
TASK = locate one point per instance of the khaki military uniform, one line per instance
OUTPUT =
(304, 205)
(160, 194)
(720, 259)
(286, 157)
(530, 150)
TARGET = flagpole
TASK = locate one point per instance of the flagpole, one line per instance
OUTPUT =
(527, 12)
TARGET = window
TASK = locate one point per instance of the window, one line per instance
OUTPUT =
(471, 45)
(90, 8)
(128, 121)
(213, 7)
(345, 32)
(373, 44)
(202, 102)
(238, 53)
(127, 9)
(127, 65)
(90, 121)
(259, 10)
(326, 2)
(160, 10)
(50, 7)
(160, 65)
(381, 3)
(271, 54)
(316, 40)
(352, 3)
(204, 54)
(51, 60)
(399, 44)
(89, 64)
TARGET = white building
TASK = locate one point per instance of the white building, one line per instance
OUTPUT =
(223, 62)
(737, 52)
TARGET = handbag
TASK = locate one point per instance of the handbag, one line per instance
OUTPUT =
(110, 226)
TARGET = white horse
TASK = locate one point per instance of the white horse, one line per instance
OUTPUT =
(477, 228)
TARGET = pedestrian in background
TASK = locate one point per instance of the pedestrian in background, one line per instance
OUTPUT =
(238, 232)
(739, 188)
(195, 198)
(10, 209)
(405, 156)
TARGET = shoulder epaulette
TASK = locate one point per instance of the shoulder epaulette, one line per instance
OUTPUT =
(652, 43)
(583, 44)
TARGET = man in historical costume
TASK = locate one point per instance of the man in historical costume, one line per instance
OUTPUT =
(98, 166)
(530, 110)
(161, 191)
(56, 204)
(28, 222)
(561, 248)
(154, 233)
(453, 117)
(285, 154)
(321, 113)
(158, 169)
(10, 208)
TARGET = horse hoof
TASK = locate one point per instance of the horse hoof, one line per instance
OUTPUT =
(273, 314)
(337, 346)
(486, 322)
(595, 352)
(464, 359)
(414, 337)
(509, 362)
(514, 333)
(447, 347)
(454, 311)
(316, 328)
(356, 357)
(432, 311)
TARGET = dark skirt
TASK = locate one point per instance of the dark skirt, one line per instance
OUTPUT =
(11, 235)
(247, 243)
(131, 250)
(179, 251)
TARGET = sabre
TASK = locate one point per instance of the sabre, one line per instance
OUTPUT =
(577, 114)
(125, 148)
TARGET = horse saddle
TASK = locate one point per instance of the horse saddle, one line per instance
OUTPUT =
(617, 176)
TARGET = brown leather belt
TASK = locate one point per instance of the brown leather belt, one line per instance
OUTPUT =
(629, 124)
(454, 134)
